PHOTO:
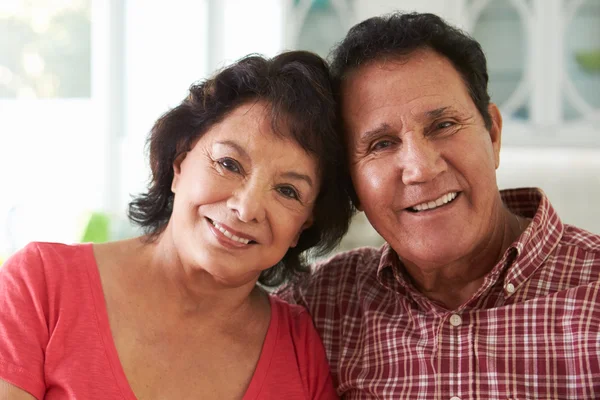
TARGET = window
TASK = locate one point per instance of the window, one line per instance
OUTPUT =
(54, 116)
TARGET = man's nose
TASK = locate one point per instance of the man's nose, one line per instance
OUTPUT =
(248, 202)
(420, 160)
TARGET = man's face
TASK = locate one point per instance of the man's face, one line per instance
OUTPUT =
(422, 162)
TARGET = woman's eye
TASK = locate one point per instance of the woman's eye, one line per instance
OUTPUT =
(289, 192)
(230, 165)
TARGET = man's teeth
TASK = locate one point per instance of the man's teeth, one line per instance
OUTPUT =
(229, 234)
(438, 202)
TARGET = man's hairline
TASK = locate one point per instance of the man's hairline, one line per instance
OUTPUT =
(351, 70)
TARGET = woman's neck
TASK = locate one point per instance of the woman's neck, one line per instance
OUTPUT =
(174, 290)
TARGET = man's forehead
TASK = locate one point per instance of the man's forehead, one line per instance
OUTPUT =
(422, 61)
(421, 87)
(422, 73)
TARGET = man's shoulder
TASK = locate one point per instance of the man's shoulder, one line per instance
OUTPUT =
(581, 239)
(362, 260)
(574, 261)
(342, 275)
(331, 277)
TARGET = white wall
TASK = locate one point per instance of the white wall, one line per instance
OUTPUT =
(570, 177)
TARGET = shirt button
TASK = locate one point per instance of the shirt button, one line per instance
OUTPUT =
(454, 398)
(510, 288)
(455, 320)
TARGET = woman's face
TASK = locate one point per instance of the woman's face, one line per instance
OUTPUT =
(243, 195)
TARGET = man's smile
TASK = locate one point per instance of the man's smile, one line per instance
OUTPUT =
(433, 204)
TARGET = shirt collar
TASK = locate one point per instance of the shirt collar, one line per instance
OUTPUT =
(540, 238)
(519, 261)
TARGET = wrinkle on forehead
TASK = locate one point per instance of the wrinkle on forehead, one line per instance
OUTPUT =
(423, 57)
(400, 91)
(411, 83)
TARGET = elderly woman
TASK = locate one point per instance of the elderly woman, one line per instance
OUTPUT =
(247, 174)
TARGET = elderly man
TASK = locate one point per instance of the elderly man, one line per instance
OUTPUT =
(477, 294)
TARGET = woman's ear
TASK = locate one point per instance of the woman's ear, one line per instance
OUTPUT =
(177, 170)
(357, 205)
(305, 226)
(354, 197)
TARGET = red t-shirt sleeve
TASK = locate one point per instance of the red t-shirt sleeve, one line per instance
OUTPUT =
(293, 364)
(23, 321)
(312, 358)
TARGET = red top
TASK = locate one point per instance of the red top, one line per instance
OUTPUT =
(531, 331)
(56, 343)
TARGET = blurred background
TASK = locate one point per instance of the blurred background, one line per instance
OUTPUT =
(82, 81)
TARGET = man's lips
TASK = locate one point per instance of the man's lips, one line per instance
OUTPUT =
(434, 203)
(232, 234)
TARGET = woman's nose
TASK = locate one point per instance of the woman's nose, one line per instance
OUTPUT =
(248, 202)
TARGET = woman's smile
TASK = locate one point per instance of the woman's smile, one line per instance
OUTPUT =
(227, 237)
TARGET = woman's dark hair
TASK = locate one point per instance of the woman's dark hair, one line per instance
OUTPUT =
(297, 87)
(399, 34)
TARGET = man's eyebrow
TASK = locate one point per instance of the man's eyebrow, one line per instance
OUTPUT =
(384, 128)
(368, 136)
(298, 176)
(438, 112)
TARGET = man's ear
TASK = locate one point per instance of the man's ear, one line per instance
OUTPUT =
(496, 131)
(177, 170)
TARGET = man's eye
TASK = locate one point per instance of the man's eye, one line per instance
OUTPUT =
(382, 144)
(289, 192)
(444, 124)
(230, 164)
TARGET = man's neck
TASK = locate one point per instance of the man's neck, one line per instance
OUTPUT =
(452, 284)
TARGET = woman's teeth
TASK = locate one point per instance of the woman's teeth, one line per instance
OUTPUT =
(229, 234)
(448, 197)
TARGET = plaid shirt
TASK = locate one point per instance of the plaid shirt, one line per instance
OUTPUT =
(531, 331)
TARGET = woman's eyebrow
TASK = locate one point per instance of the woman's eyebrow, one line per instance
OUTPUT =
(230, 143)
(298, 176)
(288, 175)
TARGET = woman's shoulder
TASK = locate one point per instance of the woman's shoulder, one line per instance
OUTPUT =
(300, 352)
(293, 320)
(287, 310)
(52, 250)
(49, 256)
(47, 267)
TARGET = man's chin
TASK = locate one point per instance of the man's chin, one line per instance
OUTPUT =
(433, 254)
